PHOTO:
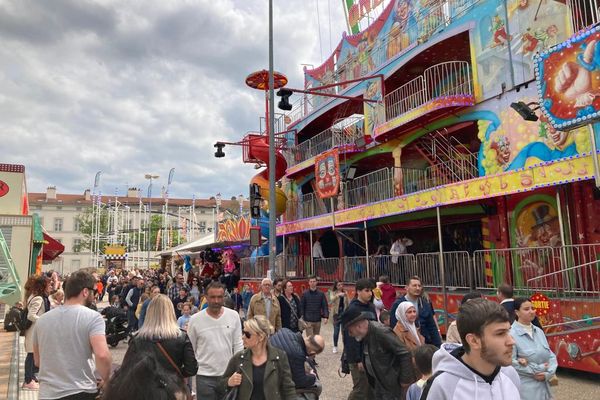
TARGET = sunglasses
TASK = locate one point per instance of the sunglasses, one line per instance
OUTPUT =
(247, 334)
(92, 289)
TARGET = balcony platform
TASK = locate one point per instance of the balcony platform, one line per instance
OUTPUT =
(572, 169)
(422, 115)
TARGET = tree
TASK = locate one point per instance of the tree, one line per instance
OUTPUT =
(85, 227)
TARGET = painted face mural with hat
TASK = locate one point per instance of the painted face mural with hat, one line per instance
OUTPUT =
(537, 226)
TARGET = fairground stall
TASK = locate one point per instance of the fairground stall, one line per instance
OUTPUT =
(464, 131)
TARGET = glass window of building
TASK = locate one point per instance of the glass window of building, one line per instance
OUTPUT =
(58, 224)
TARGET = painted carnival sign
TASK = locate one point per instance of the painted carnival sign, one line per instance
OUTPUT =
(327, 174)
(568, 77)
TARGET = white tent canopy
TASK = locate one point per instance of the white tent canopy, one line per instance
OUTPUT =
(189, 246)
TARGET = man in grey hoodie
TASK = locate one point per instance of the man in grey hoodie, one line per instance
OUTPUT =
(481, 368)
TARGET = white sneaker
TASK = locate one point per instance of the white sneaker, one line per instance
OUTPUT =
(334, 350)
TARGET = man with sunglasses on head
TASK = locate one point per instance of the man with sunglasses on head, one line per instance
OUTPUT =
(299, 350)
(75, 332)
(216, 335)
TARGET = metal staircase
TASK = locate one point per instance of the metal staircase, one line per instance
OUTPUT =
(451, 160)
(10, 285)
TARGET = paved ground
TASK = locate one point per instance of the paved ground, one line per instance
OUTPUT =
(573, 385)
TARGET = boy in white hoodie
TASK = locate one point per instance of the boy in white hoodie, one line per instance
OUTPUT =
(481, 368)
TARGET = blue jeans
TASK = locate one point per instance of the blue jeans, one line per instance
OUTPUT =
(29, 368)
(336, 332)
(131, 321)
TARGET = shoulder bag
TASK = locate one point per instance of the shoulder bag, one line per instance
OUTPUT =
(302, 325)
(170, 360)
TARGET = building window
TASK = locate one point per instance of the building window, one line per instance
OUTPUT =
(76, 245)
(59, 207)
(58, 224)
(75, 264)
(76, 224)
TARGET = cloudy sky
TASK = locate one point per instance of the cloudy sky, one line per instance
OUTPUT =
(138, 86)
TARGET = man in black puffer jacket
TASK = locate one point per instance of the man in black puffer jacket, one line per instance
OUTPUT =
(299, 350)
(354, 349)
(313, 307)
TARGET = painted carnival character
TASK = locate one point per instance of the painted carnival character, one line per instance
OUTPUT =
(502, 148)
(376, 110)
(531, 40)
(498, 27)
(407, 21)
(574, 80)
(395, 40)
(363, 55)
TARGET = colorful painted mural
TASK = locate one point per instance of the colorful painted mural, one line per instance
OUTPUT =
(374, 112)
(508, 142)
(234, 230)
(327, 174)
(569, 81)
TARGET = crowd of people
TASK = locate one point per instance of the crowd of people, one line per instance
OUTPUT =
(263, 345)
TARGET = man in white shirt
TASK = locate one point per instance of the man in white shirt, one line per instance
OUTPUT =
(64, 341)
(216, 335)
(317, 250)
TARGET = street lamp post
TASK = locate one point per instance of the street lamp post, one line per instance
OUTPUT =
(272, 159)
(149, 177)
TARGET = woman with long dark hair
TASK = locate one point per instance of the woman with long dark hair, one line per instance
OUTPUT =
(37, 289)
(339, 302)
(290, 307)
(532, 357)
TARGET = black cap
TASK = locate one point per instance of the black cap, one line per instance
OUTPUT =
(353, 315)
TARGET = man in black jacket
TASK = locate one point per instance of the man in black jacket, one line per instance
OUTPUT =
(354, 349)
(299, 350)
(313, 307)
(387, 361)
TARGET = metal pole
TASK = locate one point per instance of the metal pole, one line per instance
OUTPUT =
(284, 263)
(367, 248)
(149, 222)
(594, 156)
(442, 272)
(312, 259)
(272, 160)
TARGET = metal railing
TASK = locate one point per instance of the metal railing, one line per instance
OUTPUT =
(407, 97)
(584, 13)
(377, 186)
(307, 206)
(355, 268)
(428, 21)
(369, 188)
(342, 133)
(328, 268)
(565, 272)
(450, 78)
(399, 272)
(517, 266)
(10, 285)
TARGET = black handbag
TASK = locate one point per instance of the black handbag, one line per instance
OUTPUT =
(232, 394)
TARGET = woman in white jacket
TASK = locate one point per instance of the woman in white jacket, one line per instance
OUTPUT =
(37, 290)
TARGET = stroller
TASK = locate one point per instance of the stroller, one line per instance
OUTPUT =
(116, 325)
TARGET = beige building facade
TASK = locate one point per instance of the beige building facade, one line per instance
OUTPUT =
(59, 214)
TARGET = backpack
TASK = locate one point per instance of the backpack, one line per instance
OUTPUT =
(428, 385)
(21, 321)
